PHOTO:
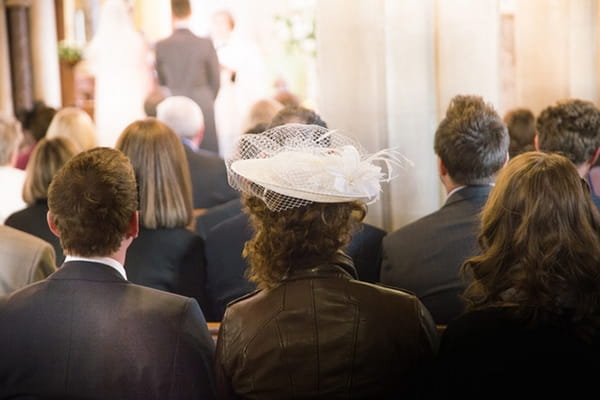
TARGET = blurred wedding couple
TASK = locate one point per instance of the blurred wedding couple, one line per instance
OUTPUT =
(223, 73)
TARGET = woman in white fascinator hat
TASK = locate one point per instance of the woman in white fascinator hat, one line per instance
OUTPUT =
(312, 330)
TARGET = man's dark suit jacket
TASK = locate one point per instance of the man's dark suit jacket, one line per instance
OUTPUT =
(85, 332)
(188, 66)
(225, 266)
(32, 220)
(425, 256)
(209, 178)
(215, 215)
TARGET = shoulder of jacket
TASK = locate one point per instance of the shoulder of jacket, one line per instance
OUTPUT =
(391, 288)
(244, 297)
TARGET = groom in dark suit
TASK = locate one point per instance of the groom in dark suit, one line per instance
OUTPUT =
(471, 143)
(87, 332)
(188, 66)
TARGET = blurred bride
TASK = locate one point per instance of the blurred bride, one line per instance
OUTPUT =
(121, 61)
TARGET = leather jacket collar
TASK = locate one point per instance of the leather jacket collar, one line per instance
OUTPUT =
(341, 267)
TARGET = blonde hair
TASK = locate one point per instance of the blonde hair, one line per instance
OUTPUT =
(77, 125)
(47, 158)
(162, 173)
(10, 137)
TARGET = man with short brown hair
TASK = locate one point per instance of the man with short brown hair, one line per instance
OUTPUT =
(87, 332)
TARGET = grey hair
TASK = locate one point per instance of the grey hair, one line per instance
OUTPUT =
(181, 114)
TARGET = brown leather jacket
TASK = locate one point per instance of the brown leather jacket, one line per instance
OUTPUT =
(322, 334)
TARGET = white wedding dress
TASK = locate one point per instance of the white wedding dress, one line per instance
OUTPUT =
(120, 60)
(236, 97)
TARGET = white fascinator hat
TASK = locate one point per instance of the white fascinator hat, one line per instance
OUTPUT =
(294, 165)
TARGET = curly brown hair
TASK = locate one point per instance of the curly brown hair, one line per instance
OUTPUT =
(539, 240)
(92, 199)
(570, 127)
(298, 238)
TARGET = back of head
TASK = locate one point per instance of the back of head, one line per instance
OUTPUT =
(540, 237)
(297, 115)
(47, 157)
(521, 129)
(181, 8)
(10, 137)
(75, 124)
(153, 99)
(92, 199)
(38, 120)
(181, 114)
(304, 187)
(261, 113)
(570, 127)
(162, 173)
(287, 98)
(472, 141)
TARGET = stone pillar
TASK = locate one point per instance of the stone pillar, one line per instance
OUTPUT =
(375, 69)
(45, 60)
(6, 101)
(467, 50)
(20, 53)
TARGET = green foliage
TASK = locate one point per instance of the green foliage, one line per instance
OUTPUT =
(69, 52)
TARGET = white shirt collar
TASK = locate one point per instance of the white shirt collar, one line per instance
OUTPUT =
(181, 24)
(456, 189)
(111, 262)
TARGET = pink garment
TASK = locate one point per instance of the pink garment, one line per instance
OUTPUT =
(23, 157)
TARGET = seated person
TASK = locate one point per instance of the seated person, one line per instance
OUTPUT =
(85, 332)
(532, 324)
(12, 178)
(521, 130)
(207, 169)
(35, 124)
(165, 255)
(226, 267)
(48, 156)
(24, 259)
(313, 330)
(75, 124)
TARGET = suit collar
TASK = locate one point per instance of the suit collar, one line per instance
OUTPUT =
(469, 192)
(87, 270)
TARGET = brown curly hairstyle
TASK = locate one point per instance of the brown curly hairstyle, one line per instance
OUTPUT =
(92, 199)
(539, 240)
(570, 127)
(298, 238)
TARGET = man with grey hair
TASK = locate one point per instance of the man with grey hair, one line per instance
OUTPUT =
(207, 169)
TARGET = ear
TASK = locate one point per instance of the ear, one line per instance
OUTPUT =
(594, 157)
(134, 227)
(536, 142)
(199, 136)
(442, 171)
(51, 224)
